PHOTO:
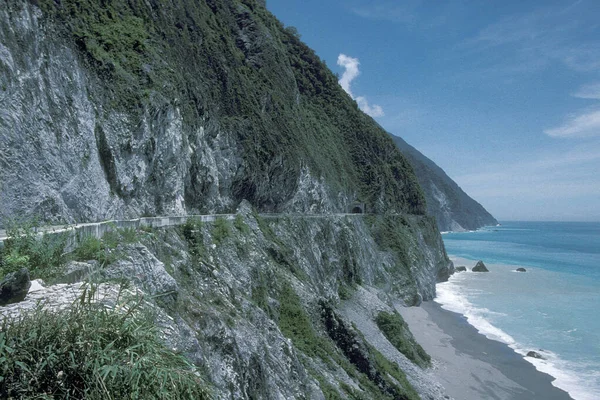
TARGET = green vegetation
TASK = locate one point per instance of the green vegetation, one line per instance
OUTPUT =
(92, 352)
(240, 225)
(192, 233)
(43, 254)
(296, 325)
(104, 249)
(92, 248)
(375, 373)
(221, 230)
(396, 331)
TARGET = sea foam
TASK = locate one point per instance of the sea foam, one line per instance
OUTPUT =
(576, 379)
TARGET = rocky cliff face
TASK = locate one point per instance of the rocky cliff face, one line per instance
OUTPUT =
(452, 208)
(128, 109)
(280, 307)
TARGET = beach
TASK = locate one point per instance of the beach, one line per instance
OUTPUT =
(471, 366)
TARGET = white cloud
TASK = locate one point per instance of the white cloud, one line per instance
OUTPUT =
(351, 71)
(590, 91)
(582, 125)
(350, 66)
(373, 111)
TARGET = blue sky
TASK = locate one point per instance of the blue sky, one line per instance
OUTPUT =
(503, 95)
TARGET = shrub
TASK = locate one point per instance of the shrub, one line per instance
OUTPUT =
(92, 352)
(12, 262)
(89, 248)
(220, 230)
(129, 235)
(191, 231)
(396, 331)
(240, 225)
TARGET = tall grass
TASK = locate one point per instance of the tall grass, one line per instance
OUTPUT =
(92, 352)
(43, 255)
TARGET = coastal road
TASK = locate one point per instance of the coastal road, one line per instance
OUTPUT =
(99, 228)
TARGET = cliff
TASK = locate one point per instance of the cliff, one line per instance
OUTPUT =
(121, 109)
(135, 108)
(452, 208)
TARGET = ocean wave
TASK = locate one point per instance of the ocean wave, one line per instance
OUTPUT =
(570, 377)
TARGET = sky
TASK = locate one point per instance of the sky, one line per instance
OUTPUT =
(502, 95)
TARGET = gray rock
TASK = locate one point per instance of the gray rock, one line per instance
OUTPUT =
(145, 271)
(480, 267)
(535, 354)
(77, 271)
(14, 287)
(462, 268)
(521, 270)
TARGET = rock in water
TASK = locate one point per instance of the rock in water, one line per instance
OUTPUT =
(462, 268)
(14, 287)
(521, 270)
(480, 267)
(535, 354)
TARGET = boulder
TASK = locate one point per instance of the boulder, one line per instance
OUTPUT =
(14, 287)
(535, 354)
(480, 267)
(462, 268)
(521, 270)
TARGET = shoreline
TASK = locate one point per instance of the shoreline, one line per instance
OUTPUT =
(471, 366)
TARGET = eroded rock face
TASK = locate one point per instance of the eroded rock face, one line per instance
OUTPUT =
(480, 267)
(181, 145)
(139, 266)
(14, 287)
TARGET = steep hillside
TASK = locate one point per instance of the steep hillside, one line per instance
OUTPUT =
(115, 109)
(452, 208)
(123, 108)
(266, 307)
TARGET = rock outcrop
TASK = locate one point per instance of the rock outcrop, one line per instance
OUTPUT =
(480, 267)
(521, 269)
(462, 268)
(535, 354)
(14, 287)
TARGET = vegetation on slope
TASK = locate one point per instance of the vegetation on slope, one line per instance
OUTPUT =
(379, 378)
(396, 331)
(232, 63)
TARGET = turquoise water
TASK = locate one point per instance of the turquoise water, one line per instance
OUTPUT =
(553, 308)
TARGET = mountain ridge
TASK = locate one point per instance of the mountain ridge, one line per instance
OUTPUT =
(453, 209)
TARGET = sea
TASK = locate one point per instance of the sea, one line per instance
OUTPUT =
(553, 308)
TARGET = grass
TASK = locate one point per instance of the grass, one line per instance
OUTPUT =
(105, 250)
(396, 331)
(92, 352)
(43, 255)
